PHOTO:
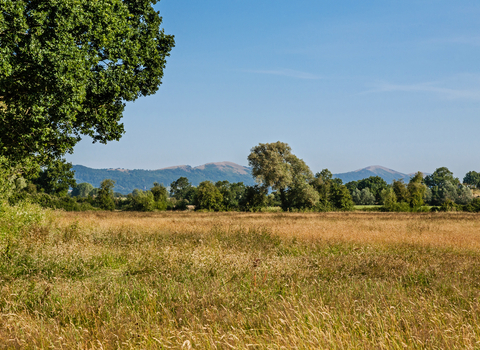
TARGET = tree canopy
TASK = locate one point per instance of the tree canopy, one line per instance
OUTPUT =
(440, 177)
(472, 178)
(56, 178)
(67, 67)
(182, 189)
(274, 165)
(208, 196)
(82, 190)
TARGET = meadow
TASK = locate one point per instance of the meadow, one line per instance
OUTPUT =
(125, 280)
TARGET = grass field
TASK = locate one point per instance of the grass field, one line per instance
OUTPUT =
(355, 280)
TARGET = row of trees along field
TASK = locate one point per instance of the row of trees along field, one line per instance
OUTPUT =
(439, 191)
(285, 183)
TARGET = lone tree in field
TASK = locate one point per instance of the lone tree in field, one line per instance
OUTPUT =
(68, 67)
(274, 165)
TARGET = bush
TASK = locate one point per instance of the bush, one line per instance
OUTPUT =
(20, 220)
(449, 205)
(324, 206)
(271, 210)
(474, 206)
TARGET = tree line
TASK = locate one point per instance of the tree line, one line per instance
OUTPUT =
(284, 183)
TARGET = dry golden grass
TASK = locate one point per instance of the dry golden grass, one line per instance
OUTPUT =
(445, 230)
(105, 280)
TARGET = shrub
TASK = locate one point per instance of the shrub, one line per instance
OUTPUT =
(474, 206)
(20, 220)
(449, 205)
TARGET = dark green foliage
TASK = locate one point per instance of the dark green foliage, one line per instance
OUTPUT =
(449, 205)
(63, 202)
(472, 178)
(232, 194)
(405, 198)
(337, 181)
(341, 198)
(159, 192)
(442, 184)
(274, 166)
(254, 199)
(389, 199)
(208, 197)
(332, 193)
(446, 191)
(322, 183)
(160, 196)
(104, 199)
(56, 178)
(400, 189)
(440, 177)
(375, 184)
(140, 200)
(68, 67)
(474, 206)
(416, 191)
(273, 200)
(182, 190)
(352, 186)
(325, 175)
(301, 196)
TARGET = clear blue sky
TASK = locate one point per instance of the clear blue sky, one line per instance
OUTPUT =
(346, 84)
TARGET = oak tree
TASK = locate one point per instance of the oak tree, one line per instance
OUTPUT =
(67, 67)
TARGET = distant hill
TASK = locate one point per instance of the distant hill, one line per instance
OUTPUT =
(128, 180)
(375, 170)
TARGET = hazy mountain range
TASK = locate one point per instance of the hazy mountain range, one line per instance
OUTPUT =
(127, 180)
(375, 170)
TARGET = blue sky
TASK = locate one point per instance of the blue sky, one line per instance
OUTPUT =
(346, 84)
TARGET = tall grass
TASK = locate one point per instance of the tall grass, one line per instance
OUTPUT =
(236, 280)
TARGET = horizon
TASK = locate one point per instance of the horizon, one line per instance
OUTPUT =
(246, 166)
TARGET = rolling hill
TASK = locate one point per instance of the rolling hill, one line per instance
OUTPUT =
(127, 180)
(375, 170)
